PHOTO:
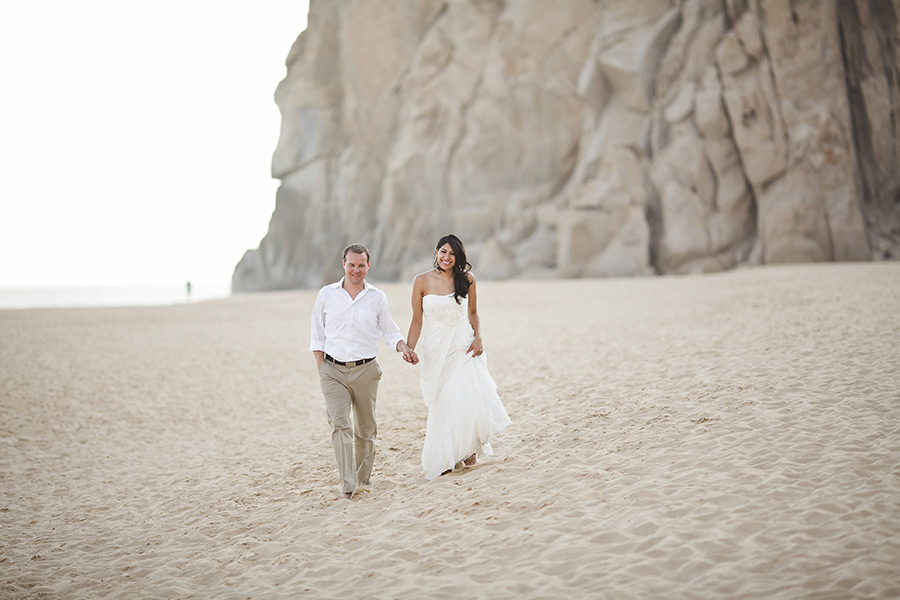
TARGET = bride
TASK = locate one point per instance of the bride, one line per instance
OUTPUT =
(464, 409)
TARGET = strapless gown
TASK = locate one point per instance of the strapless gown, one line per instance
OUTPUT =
(464, 410)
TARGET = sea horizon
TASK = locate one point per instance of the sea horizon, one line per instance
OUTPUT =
(85, 296)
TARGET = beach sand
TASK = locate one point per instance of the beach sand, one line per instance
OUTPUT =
(734, 435)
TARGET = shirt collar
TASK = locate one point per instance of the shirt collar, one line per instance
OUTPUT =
(338, 284)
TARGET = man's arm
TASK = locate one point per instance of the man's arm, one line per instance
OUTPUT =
(391, 333)
(317, 330)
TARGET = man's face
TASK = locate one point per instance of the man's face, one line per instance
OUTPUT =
(355, 267)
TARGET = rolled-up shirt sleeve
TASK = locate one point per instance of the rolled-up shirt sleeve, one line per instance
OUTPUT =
(389, 330)
(317, 326)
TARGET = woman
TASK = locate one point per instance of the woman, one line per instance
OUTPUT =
(464, 409)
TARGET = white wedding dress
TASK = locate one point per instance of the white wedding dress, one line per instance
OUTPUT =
(464, 409)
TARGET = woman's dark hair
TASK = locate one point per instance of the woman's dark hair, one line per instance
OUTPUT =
(461, 267)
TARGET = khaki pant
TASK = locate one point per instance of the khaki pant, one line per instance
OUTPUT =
(345, 388)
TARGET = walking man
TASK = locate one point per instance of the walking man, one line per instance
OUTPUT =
(347, 319)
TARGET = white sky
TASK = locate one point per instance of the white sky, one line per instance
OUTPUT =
(136, 137)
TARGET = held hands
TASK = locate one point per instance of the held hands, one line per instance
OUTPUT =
(476, 347)
(409, 354)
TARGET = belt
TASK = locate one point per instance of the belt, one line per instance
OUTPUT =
(351, 363)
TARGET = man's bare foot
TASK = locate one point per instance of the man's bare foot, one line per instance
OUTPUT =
(344, 496)
(470, 461)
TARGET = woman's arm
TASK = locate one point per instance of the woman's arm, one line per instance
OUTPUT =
(476, 347)
(415, 326)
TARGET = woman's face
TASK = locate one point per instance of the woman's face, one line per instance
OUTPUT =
(445, 257)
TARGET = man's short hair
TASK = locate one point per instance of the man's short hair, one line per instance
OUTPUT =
(356, 249)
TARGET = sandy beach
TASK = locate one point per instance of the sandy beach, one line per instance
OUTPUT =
(734, 435)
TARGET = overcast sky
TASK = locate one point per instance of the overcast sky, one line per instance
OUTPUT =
(136, 137)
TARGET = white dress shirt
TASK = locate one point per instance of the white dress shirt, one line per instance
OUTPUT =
(347, 329)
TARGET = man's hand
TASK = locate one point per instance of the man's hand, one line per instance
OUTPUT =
(409, 354)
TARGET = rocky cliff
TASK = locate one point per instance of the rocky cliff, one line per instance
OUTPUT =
(581, 138)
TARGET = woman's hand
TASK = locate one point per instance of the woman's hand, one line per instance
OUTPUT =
(476, 347)
(409, 355)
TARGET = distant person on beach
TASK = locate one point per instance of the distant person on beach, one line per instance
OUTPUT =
(464, 409)
(347, 319)
(188, 289)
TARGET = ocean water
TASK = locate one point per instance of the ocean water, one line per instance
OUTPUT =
(130, 295)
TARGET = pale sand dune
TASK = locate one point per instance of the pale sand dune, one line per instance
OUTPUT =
(731, 436)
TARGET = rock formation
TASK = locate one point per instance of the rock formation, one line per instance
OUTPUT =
(581, 138)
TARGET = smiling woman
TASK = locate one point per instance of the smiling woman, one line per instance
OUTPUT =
(464, 409)
(137, 142)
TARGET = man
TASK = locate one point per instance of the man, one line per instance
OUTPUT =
(347, 320)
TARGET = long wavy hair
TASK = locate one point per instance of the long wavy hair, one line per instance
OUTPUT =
(461, 267)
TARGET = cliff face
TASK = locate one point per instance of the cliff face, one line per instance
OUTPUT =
(585, 139)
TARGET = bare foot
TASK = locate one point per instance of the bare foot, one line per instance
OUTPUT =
(470, 461)
(344, 496)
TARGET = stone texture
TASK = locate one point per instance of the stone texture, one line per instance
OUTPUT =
(585, 139)
(871, 55)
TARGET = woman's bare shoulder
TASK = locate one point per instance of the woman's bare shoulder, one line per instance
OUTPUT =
(424, 281)
(424, 277)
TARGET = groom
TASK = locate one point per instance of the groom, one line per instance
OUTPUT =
(347, 319)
